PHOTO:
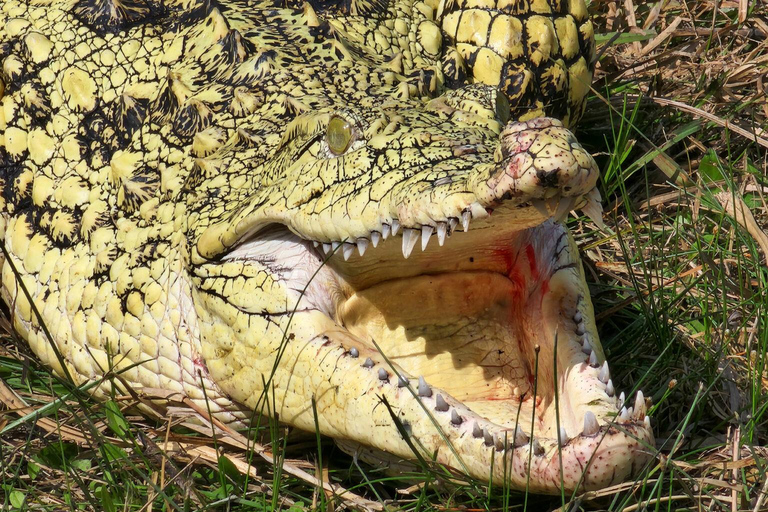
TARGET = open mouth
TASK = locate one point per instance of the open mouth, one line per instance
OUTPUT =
(479, 326)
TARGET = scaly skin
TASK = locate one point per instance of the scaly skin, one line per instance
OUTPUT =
(174, 174)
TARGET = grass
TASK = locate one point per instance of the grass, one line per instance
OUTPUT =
(677, 121)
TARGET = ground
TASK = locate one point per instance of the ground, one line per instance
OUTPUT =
(678, 123)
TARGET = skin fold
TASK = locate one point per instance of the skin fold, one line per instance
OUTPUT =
(257, 205)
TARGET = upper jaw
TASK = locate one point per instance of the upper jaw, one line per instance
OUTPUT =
(538, 171)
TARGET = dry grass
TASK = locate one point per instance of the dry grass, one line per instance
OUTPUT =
(679, 125)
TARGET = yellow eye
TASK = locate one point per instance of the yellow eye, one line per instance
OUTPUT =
(338, 135)
(502, 107)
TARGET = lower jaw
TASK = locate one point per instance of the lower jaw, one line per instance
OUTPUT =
(485, 342)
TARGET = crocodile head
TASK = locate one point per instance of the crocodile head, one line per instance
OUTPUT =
(433, 300)
(263, 208)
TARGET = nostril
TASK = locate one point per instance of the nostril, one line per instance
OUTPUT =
(548, 179)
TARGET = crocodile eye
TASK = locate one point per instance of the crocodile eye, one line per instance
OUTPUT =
(338, 135)
(502, 107)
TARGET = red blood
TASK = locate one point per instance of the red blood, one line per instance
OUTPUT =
(531, 254)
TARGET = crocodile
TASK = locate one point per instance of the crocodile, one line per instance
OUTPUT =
(347, 214)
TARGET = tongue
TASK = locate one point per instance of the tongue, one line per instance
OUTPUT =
(464, 332)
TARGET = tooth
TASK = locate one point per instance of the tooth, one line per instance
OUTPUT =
(498, 442)
(521, 438)
(630, 412)
(563, 436)
(577, 318)
(647, 422)
(541, 207)
(395, 226)
(622, 399)
(327, 248)
(565, 206)
(385, 231)
(465, 217)
(477, 432)
(368, 363)
(593, 359)
(424, 390)
(593, 209)
(609, 388)
(426, 233)
(516, 392)
(586, 347)
(624, 414)
(537, 448)
(354, 352)
(375, 237)
(442, 227)
(452, 223)
(315, 243)
(383, 375)
(604, 374)
(362, 245)
(410, 237)
(639, 405)
(402, 381)
(591, 426)
(335, 245)
(487, 437)
(440, 404)
(348, 249)
(455, 418)
(580, 329)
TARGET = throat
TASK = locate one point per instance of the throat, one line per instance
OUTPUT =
(472, 334)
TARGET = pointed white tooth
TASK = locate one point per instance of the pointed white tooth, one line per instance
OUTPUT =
(565, 206)
(622, 399)
(362, 245)
(605, 373)
(426, 234)
(609, 390)
(639, 406)
(487, 437)
(537, 448)
(348, 249)
(593, 209)
(498, 442)
(465, 218)
(563, 436)
(587, 346)
(541, 207)
(385, 231)
(335, 245)
(402, 381)
(452, 223)
(410, 237)
(442, 227)
(455, 418)
(327, 248)
(580, 329)
(593, 359)
(647, 422)
(477, 432)
(315, 243)
(577, 317)
(624, 414)
(591, 426)
(521, 438)
(395, 226)
(375, 237)
(424, 389)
